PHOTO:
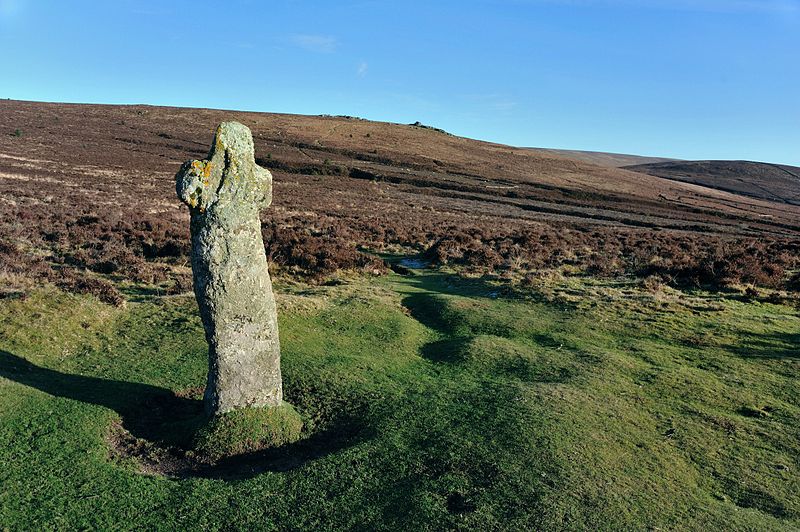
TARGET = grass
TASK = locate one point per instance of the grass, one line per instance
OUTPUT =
(248, 430)
(429, 402)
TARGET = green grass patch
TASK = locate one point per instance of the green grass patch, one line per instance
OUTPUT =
(428, 402)
(248, 430)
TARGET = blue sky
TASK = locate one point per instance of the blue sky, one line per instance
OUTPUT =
(689, 79)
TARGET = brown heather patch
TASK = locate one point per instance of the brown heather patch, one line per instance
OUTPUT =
(92, 200)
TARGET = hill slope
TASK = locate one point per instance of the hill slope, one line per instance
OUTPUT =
(773, 182)
(90, 187)
(600, 158)
(104, 152)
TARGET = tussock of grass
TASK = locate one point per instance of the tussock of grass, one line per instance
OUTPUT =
(248, 430)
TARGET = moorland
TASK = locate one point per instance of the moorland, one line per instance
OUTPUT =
(476, 335)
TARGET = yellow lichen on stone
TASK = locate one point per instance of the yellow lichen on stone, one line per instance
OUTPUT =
(202, 168)
(218, 136)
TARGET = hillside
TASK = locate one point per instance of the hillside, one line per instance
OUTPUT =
(111, 154)
(774, 182)
(90, 187)
(600, 158)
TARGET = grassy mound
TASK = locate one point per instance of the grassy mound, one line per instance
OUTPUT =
(488, 355)
(248, 430)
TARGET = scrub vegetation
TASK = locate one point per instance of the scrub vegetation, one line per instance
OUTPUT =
(89, 192)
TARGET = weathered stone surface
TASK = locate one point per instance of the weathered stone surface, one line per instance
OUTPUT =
(225, 193)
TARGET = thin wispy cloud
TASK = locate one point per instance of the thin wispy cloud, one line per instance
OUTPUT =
(361, 71)
(321, 44)
(721, 6)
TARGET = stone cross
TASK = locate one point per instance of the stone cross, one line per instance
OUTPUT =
(225, 193)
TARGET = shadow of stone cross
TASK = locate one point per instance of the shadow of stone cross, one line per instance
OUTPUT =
(148, 412)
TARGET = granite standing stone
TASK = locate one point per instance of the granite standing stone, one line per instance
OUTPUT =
(225, 193)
